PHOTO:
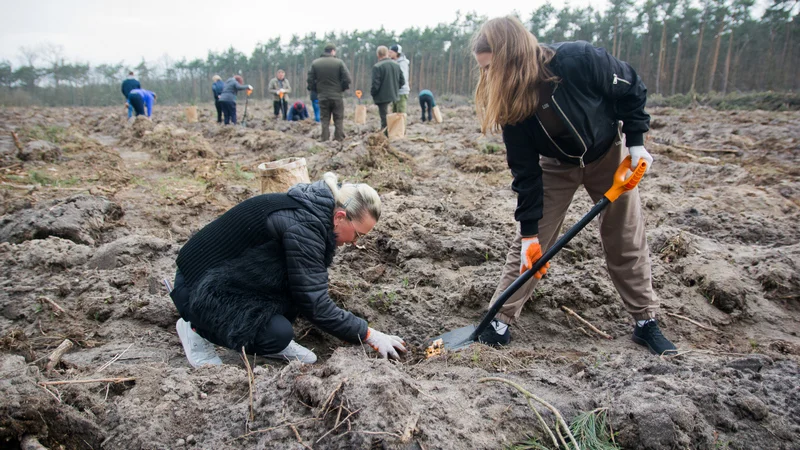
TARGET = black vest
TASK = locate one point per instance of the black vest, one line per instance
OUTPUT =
(241, 227)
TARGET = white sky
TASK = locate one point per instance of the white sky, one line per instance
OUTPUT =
(111, 31)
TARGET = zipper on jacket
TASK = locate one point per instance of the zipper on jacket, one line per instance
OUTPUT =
(585, 149)
(616, 79)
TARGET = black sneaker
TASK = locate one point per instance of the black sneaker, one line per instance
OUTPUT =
(650, 336)
(491, 337)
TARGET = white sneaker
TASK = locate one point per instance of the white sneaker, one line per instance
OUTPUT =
(295, 351)
(198, 351)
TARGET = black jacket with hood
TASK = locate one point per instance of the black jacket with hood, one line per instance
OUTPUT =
(284, 272)
(594, 92)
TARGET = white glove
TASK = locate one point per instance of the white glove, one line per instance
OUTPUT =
(385, 344)
(250, 86)
(638, 152)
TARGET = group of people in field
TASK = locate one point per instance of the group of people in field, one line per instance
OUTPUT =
(569, 114)
(328, 80)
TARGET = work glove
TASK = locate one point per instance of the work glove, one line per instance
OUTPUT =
(250, 86)
(530, 253)
(385, 344)
(638, 152)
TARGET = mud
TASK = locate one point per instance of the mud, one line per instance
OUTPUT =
(96, 210)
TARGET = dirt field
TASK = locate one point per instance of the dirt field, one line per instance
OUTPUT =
(94, 216)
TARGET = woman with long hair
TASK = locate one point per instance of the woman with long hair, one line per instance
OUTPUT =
(563, 110)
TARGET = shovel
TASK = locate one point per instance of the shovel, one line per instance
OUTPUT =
(244, 116)
(464, 336)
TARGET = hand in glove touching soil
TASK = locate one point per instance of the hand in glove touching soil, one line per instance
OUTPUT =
(385, 344)
(530, 253)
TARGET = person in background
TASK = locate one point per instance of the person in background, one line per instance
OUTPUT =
(329, 78)
(401, 105)
(244, 278)
(216, 91)
(280, 88)
(228, 97)
(315, 104)
(426, 101)
(297, 112)
(563, 110)
(141, 99)
(128, 85)
(387, 78)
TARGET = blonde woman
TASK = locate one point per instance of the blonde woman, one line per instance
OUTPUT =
(216, 91)
(244, 278)
(562, 110)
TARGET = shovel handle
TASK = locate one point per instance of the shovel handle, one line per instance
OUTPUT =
(249, 91)
(622, 183)
(359, 94)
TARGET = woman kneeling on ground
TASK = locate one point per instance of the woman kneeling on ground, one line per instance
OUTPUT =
(244, 278)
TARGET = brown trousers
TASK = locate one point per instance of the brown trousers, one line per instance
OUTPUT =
(622, 234)
(336, 108)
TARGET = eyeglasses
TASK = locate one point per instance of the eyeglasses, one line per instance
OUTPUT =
(358, 235)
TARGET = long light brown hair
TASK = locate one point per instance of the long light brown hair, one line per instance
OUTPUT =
(508, 90)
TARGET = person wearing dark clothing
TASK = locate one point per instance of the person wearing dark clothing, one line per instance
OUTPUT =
(387, 79)
(315, 104)
(297, 112)
(227, 98)
(244, 278)
(128, 85)
(216, 91)
(563, 110)
(329, 78)
(426, 102)
(141, 100)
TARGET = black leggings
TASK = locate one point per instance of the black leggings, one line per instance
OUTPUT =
(229, 111)
(218, 105)
(272, 338)
(426, 100)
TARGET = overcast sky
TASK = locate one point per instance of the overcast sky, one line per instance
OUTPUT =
(112, 31)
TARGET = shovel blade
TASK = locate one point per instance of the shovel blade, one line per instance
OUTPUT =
(458, 338)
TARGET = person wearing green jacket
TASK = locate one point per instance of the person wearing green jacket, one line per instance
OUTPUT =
(387, 79)
(280, 88)
(329, 78)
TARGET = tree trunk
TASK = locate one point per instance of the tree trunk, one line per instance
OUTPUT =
(714, 60)
(727, 64)
(616, 30)
(661, 56)
(261, 81)
(422, 79)
(449, 67)
(676, 66)
(697, 57)
(786, 56)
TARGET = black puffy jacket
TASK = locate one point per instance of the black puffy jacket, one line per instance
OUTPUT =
(285, 272)
(594, 93)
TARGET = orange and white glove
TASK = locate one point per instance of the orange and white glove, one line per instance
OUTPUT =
(638, 152)
(530, 253)
(385, 344)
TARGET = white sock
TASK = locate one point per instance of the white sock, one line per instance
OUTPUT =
(641, 323)
(499, 327)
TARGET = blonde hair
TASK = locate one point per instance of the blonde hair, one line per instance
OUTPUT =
(508, 90)
(355, 199)
(382, 51)
(216, 78)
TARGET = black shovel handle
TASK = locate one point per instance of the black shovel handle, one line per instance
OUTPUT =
(548, 255)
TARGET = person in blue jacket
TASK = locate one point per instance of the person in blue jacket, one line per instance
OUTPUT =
(228, 97)
(216, 90)
(315, 104)
(297, 112)
(128, 85)
(139, 99)
(426, 101)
